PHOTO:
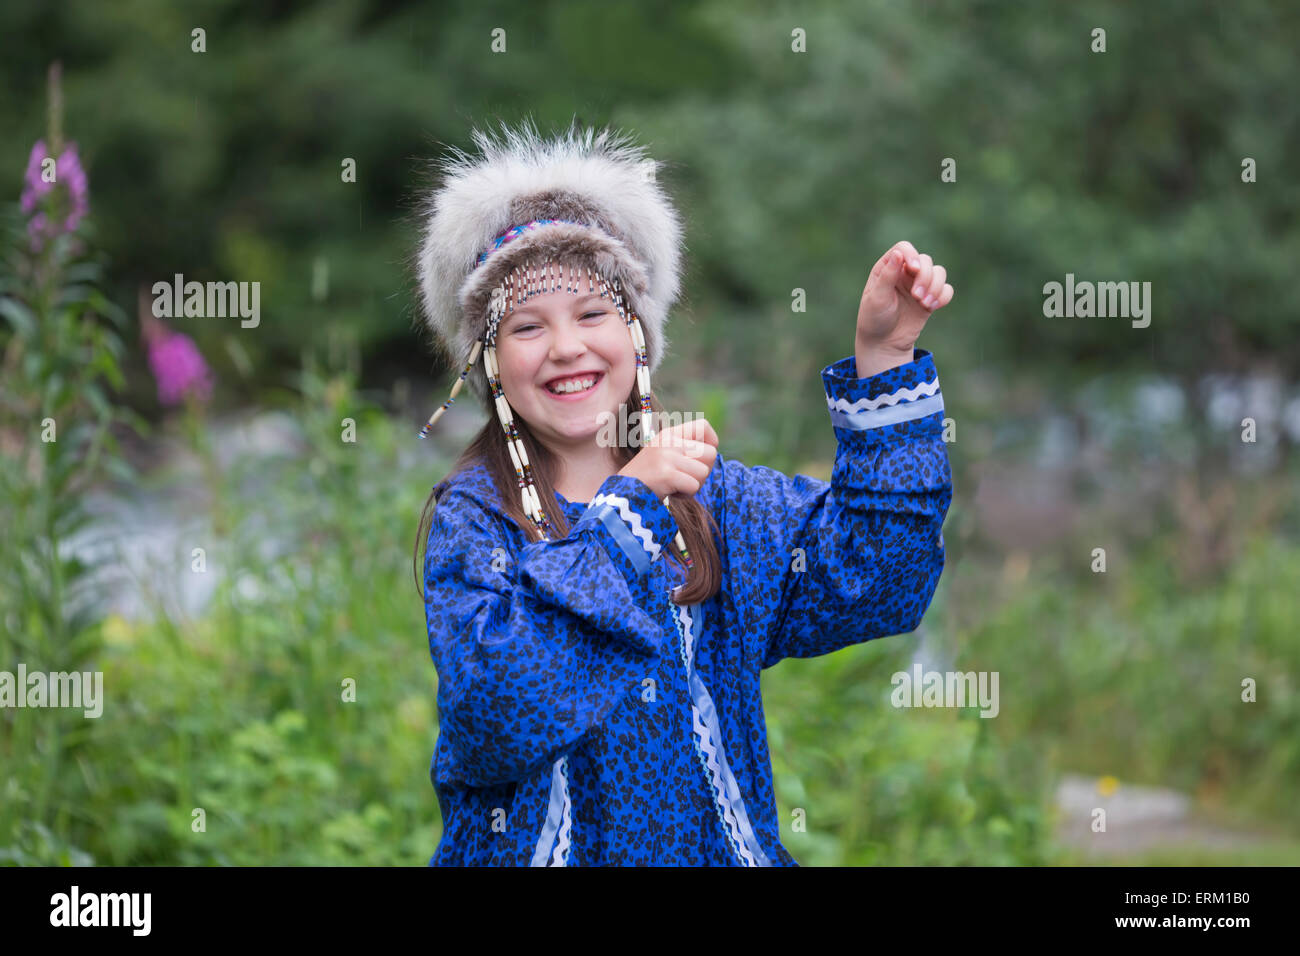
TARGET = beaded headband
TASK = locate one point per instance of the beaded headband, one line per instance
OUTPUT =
(526, 280)
(514, 232)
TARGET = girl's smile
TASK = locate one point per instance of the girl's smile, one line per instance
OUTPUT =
(574, 388)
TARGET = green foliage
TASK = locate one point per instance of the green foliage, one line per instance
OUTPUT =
(1129, 675)
(880, 786)
(241, 712)
(61, 347)
(1140, 678)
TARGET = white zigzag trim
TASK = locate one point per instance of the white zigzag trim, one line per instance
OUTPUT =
(560, 855)
(707, 750)
(632, 519)
(880, 401)
(709, 754)
(688, 636)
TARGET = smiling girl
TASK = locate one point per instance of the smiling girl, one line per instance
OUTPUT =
(599, 614)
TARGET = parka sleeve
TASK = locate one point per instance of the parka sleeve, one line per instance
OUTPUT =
(817, 566)
(535, 648)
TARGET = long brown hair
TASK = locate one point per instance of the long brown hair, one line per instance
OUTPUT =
(489, 447)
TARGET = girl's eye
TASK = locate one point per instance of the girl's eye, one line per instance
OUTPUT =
(524, 328)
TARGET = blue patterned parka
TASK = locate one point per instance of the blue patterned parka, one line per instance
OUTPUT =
(586, 719)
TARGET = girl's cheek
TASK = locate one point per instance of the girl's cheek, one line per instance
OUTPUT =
(511, 362)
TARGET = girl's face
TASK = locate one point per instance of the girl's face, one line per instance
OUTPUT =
(559, 338)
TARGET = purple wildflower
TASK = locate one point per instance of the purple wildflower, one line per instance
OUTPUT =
(177, 365)
(34, 187)
(66, 200)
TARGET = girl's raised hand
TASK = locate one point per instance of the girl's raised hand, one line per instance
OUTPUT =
(904, 288)
(677, 460)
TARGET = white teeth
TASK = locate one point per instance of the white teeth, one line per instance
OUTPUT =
(577, 385)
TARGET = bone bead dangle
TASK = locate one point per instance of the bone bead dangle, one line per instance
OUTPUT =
(455, 390)
(529, 498)
(638, 343)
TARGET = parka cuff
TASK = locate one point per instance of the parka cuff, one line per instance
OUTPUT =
(891, 454)
(898, 403)
(633, 523)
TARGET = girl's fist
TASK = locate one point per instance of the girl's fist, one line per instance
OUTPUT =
(904, 288)
(677, 460)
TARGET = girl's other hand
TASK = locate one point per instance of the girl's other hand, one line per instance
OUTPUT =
(677, 460)
(905, 287)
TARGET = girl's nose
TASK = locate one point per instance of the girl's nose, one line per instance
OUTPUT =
(567, 342)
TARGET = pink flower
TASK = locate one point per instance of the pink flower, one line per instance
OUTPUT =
(67, 198)
(34, 187)
(177, 365)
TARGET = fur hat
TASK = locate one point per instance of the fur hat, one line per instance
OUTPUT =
(627, 229)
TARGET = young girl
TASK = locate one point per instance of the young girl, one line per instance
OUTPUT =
(599, 611)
